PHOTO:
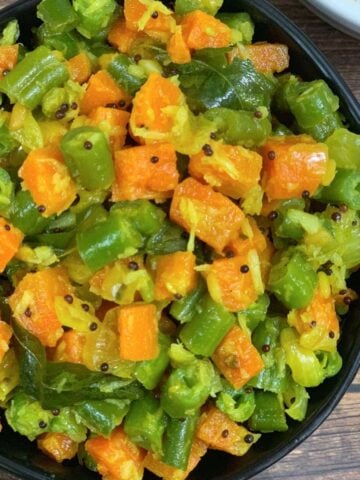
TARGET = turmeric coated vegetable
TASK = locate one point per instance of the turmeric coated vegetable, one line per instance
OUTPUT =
(179, 218)
(152, 104)
(5, 337)
(237, 359)
(79, 68)
(145, 172)
(32, 303)
(57, 446)
(201, 30)
(209, 215)
(102, 91)
(231, 170)
(8, 58)
(138, 332)
(293, 165)
(175, 275)
(116, 457)
(212, 425)
(266, 57)
(10, 241)
(48, 179)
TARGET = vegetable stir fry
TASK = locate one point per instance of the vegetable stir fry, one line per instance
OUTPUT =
(178, 217)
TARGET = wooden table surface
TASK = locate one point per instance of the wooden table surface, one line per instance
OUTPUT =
(333, 452)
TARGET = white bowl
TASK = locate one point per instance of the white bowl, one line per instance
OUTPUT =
(342, 14)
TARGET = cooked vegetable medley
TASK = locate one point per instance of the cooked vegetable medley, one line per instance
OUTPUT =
(179, 215)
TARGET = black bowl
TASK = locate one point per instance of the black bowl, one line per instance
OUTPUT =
(21, 457)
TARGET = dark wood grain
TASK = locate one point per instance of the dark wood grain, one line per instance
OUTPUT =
(332, 453)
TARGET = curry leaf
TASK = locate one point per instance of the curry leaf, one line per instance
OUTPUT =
(215, 83)
(32, 360)
(57, 385)
(68, 383)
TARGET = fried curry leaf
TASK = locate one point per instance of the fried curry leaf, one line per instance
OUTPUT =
(212, 82)
(57, 385)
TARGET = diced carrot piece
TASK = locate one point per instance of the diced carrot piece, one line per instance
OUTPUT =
(257, 241)
(113, 122)
(117, 458)
(138, 332)
(292, 165)
(177, 49)
(213, 218)
(101, 91)
(151, 103)
(5, 337)
(8, 58)
(254, 240)
(32, 303)
(266, 57)
(79, 68)
(211, 427)
(70, 347)
(48, 179)
(175, 275)
(231, 282)
(231, 170)
(10, 241)
(103, 281)
(201, 30)
(167, 472)
(121, 37)
(318, 322)
(237, 358)
(57, 446)
(147, 171)
(142, 17)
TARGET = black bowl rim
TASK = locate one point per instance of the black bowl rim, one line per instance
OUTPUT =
(352, 365)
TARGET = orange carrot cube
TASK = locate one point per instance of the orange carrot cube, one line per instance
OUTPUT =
(266, 57)
(237, 358)
(70, 347)
(211, 216)
(48, 179)
(113, 122)
(177, 49)
(121, 37)
(32, 303)
(293, 165)
(211, 427)
(231, 282)
(79, 68)
(151, 103)
(117, 458)
(317, 324)
(175, 275)
(201, 30)
(8, 58)
(10, 241)
(139, 17)
(57, 446)
(138, 332)
(231, 170)
(145, 172)
(101, 91)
